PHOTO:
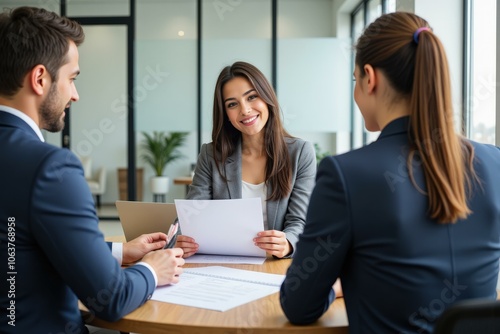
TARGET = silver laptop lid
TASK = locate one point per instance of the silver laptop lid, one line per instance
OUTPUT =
(144, 217)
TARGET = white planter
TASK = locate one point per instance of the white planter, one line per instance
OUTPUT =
(159, 184)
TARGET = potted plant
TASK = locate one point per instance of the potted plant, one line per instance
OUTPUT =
(319, 154)
(159, 150)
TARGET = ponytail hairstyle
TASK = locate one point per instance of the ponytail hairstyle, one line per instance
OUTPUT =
(225, 136)
(405, 49)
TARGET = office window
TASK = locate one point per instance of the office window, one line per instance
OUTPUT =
(358, 25)
(391, 6)
(482, 93)
(365, 13)
(374, 10)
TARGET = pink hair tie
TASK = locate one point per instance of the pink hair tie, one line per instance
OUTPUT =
(416, 33)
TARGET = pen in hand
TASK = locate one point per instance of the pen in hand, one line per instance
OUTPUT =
(172, 235)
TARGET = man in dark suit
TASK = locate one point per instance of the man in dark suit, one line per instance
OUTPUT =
(51, 248)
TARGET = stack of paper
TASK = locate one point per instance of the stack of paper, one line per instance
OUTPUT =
(224, 229)
(218, 288)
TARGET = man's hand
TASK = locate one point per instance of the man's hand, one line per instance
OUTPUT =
(135, 250)
(273, 242)
(167, 264)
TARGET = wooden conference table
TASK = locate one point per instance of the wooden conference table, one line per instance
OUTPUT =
(260, 316)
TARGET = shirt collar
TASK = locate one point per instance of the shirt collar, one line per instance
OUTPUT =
(25, 118)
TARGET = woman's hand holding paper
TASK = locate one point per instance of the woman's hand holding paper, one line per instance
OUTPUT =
(273, 242)
(188, 245)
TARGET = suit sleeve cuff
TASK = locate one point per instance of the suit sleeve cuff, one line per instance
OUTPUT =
(150, 269)
(117, 251)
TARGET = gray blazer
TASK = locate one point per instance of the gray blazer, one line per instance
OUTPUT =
(288, 214)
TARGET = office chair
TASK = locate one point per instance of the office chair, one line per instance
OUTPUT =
(96, 182)
(477, 316)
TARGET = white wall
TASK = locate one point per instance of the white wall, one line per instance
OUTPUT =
(247, 19)
(314, 84)
(292, 23)
(341, 12)
(406, 5)
(313, 72)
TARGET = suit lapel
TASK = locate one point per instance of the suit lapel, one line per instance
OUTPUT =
(272, 211)
(233, 173)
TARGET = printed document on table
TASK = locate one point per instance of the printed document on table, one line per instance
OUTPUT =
(222, 227)
(226, 259)
(218, 288)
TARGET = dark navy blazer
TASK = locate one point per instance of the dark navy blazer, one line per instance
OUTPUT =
(59, 254)
(369, 225)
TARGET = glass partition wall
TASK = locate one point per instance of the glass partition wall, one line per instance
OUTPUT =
(166, 76)
(231, 31)
(313, 73)
(99, 124)
(98, 121)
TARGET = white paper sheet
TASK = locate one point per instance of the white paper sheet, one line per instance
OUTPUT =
(218, 288)
(202, 258)
(222, 227)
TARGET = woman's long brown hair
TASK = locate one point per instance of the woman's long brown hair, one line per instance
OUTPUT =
(417, 68)
(225, 137)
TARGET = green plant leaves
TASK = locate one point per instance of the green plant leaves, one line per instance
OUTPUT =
(160, 149)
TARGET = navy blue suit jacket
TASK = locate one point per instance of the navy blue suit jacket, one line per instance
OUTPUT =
(368, 224)
(58, 253)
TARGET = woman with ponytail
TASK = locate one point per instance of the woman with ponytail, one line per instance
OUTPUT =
(410, 223)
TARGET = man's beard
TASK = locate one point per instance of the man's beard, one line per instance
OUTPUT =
(50, 114)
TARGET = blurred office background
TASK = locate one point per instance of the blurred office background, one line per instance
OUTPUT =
(151, 65)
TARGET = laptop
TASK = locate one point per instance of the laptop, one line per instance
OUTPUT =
(145, 217)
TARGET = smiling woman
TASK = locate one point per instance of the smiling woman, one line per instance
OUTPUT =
(252, 155)
(246, 110)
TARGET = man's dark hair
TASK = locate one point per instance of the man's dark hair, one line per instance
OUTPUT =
(32, 36)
